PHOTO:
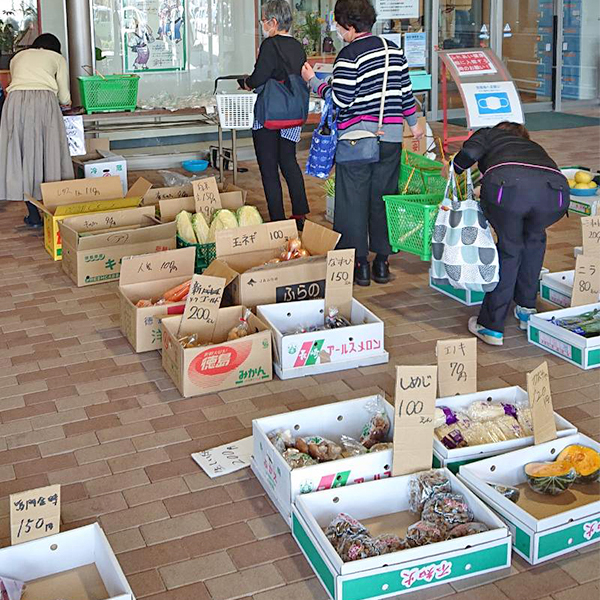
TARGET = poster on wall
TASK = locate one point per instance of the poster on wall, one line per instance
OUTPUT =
(397, 9)
(414, 48)
(490, 103)
(154, 36)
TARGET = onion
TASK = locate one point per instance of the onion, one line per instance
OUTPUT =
(303, 253)
(294, 245)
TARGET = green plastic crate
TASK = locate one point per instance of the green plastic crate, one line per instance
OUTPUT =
(205, 254)
(110, 93)
(410, 222)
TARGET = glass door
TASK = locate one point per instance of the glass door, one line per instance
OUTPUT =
(525, 38)
(579, 83)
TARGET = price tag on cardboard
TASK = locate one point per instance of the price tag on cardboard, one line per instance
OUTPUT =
(590, 233)
(225, 459)
(457, 366)
(540, 401)
(202, 307)
(339, 281)
(586, 283)
(34, 514)
(413, 421)
(206, 196)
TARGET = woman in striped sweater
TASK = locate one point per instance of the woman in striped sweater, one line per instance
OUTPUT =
(357, 87)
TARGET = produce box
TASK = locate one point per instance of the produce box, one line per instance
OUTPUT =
(574, 348)
(543, 527)
(247, 249)
(283, 484)
(102, 163)
(94, 245)
(154, 195)
(382, 507)
(149, 276)
(323, 351)
(75, 564)
(64, 199)
(223, 365)
(586, 206)
(454, 458)
(557, 288)
(466, 297)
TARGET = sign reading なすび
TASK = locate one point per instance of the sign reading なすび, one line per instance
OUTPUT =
(225, 459)
(34, 514)
(474, 62)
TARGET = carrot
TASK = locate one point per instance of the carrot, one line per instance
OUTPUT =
(177, 293)
(182, 295)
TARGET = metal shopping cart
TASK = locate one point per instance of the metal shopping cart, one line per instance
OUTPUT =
(236, 113)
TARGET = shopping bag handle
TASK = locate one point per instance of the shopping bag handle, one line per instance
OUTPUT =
(228, 78)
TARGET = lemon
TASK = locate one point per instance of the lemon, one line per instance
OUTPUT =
(571, 183)
(582, 186)
(583, 177)
(592, 185)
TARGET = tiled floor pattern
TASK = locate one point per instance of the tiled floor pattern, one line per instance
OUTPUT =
(78, 407)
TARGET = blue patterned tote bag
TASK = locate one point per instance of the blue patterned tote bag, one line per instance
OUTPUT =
(463, 252)
(321, 155)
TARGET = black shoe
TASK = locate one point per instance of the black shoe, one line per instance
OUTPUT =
(381, 271)
(32, 224)
(362, 274)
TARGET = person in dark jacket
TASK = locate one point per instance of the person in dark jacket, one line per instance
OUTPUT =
(522, 194)
(280, 54)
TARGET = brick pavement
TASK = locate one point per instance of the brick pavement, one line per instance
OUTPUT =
(78, 407)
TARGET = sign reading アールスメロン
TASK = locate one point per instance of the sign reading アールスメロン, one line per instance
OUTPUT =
(489, 103)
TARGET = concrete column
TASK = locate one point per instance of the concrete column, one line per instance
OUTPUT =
(81, 47)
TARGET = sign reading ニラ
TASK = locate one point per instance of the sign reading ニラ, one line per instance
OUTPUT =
(397, 9)
(457, 366)
(34, 514)
(416, 389)
(586, 282)
(540, 402)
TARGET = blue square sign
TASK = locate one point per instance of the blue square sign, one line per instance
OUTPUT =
(493, 103)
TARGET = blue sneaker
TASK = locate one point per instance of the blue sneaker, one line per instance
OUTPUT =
(493, 338)
(522, 315)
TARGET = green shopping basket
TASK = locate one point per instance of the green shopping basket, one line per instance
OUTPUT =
(411, 219)
(205, 254)
(420, 175)
(109, 93)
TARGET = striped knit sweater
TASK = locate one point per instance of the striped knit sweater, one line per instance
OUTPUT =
(357, 85)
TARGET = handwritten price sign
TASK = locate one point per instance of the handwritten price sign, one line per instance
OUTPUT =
(413, 422)
(202, 306)
(540, 401)
(586, 284)
(206, 196)
(457, 366)
(225, 459)
(34, 514)
(590, 233)
(339, 280)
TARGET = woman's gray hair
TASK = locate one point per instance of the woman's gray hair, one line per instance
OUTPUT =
(281, 11)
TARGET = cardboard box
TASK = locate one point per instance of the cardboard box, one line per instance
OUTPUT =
(102, 163)
(311, 353)
(408, 141)
(154, 195)
(543, 527)
(63, 199)
(225, 364)
(75, 564)
(247, 249)
(283, 484)
(557, 288)
(586, 206)
(454, 458)
(94, 245)
(382, 507)
(580, 351)
(466, 297)
(148, 277)
(577, 251)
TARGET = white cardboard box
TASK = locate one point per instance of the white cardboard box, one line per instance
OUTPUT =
(586, 206)
(577, 251)
(557, 288)
(580, 351)
(536, 539)
(399, 572)
(75, 564)
(296, 355)
(331, 421)
(105, 164)
(453, 459)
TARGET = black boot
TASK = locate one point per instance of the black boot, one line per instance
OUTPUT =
(362, 274)
(381, 271)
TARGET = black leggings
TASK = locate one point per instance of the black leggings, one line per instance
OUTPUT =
(273, 153)
(34, 214)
